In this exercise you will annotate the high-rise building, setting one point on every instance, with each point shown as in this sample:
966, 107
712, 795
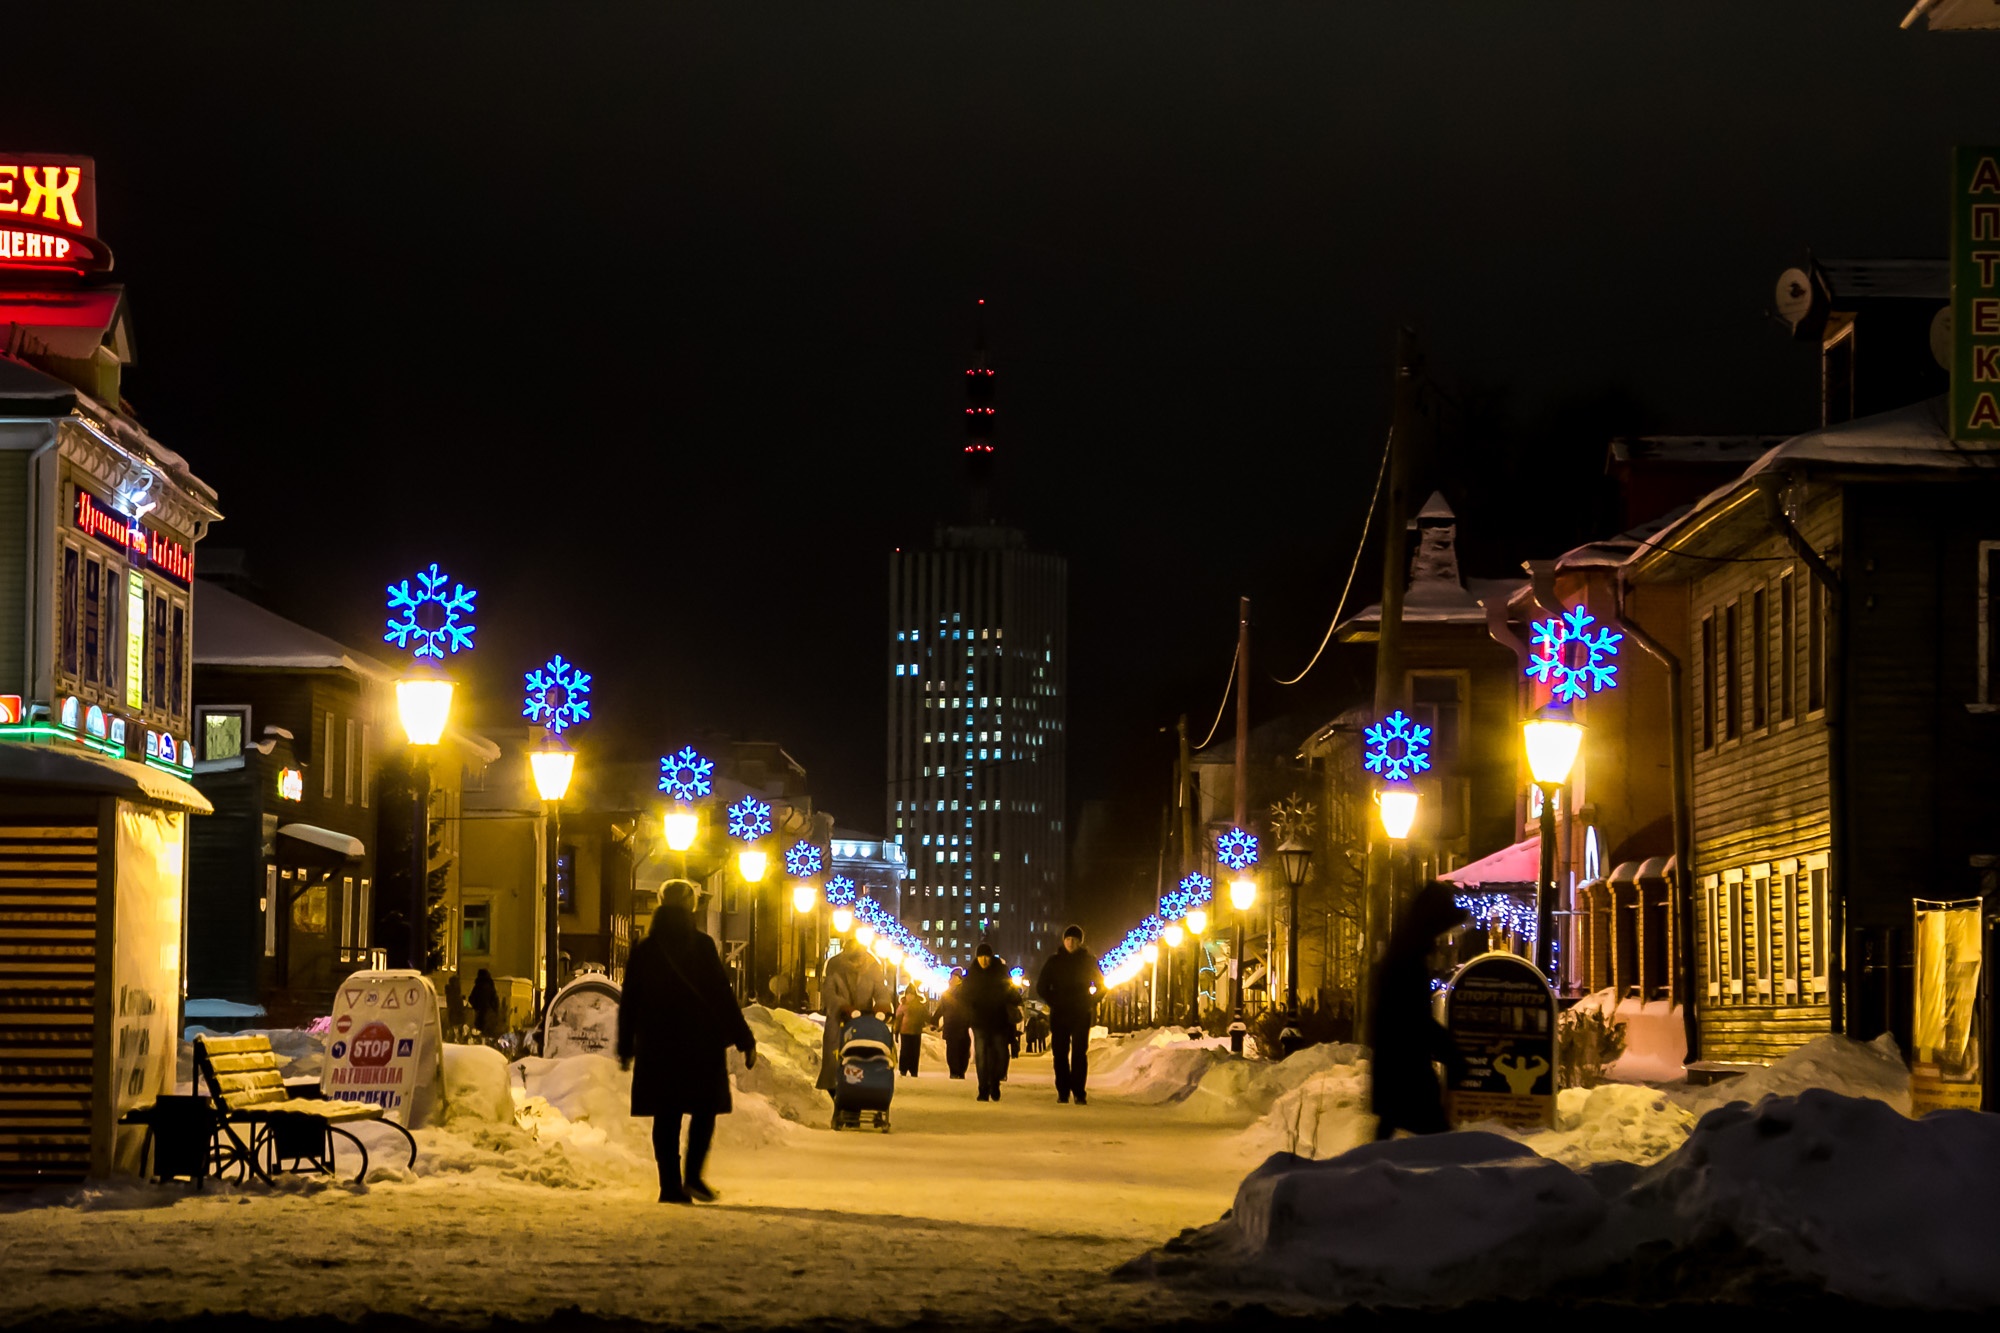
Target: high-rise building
978, 687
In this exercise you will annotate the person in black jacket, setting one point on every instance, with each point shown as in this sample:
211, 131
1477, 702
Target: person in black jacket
991, 1004
676, 1019
956, 1024
1070, 984
1407, 1040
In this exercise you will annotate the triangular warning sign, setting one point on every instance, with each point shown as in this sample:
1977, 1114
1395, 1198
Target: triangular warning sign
352, 995
389, 1000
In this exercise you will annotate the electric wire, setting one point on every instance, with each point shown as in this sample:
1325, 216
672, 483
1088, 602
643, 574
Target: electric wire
1225, 704
1360, 547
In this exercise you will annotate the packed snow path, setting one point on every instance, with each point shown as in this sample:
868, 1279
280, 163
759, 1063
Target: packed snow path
1018, 1209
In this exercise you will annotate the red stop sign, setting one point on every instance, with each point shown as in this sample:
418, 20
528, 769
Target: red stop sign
372, 1046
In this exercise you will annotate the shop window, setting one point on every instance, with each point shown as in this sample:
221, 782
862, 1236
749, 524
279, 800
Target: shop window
177, 663
93, 604
156, 635
71, 573
223, 731
270, 909
309, 910
476, 931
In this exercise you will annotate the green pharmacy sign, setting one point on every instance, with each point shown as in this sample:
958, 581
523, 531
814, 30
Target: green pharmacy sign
1975, 294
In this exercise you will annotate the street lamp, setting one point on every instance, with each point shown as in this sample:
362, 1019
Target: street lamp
864, 935
805, 896
751, 863
1296, 857
681, 827
843, 920
1398, 808
552, 765
423, 703
1197, 920
1552, 738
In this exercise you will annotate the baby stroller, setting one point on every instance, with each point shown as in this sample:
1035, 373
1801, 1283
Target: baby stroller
867, 1073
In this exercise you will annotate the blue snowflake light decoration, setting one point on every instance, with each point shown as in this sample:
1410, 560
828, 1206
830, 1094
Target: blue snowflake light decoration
558, 695
840, 892
1197, 889
803, 860
1574, 661
445, 628
687, 776
1397, 748
1237, 849
749, 819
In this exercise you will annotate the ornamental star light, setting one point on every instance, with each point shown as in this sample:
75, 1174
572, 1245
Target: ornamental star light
1576, 661
749, 819
803, 860
438, 631
687, 776
1237, 849
1397, 748
558, 695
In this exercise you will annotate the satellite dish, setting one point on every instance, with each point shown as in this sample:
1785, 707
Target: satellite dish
1795, 296
1941, 336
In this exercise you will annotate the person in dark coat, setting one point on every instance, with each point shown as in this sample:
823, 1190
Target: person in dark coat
955, 1022
676, 1019
913, 1015
1407, 1040
992, 1006
485, 1004
1070, 984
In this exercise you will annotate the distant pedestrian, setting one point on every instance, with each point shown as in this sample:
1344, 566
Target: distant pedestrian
992, 1004
913, 1015
854, 984
485, 1004
1406, 1040
676, 1018
955, 1022
1070, 984
1038, 1033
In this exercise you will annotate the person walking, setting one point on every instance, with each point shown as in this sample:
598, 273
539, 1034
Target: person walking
1070, 984
954, 1021
854, 984
991, 1005
1406, 1041
485, 1004
913, 1015
676, 1018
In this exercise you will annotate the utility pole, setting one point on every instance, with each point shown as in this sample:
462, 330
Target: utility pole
1379, 907
1241, 815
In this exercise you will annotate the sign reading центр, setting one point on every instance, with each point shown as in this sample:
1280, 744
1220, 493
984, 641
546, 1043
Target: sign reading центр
48, 213
1975, 294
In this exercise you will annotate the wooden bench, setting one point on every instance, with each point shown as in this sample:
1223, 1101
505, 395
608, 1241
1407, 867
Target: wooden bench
289, 1128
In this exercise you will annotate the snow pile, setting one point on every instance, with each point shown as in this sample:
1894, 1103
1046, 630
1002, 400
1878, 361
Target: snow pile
1655, 1037
1616, 1122
301, 1052
1859, 1069
1322, 1115
1833, 1192
477, 1085
787, 1070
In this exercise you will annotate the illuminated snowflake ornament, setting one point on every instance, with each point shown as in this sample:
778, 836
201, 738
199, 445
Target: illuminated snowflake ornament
1198, 888
439, 620
1574, 661
1237, 849
1397, 748
687, 776
803, 860
840, 892
558, 695
749, 819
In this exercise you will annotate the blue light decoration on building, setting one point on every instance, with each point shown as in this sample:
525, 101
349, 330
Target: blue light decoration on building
840, 892
558, 695
803, 860
443, 629
687, 776
1237, 849
749, 819
1574, 661
1397, 749
1502, 912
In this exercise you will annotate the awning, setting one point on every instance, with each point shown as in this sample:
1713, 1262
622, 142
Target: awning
1519, 864
62, 767
352, 848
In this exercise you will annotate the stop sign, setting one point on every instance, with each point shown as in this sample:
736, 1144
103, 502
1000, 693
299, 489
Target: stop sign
372, 1046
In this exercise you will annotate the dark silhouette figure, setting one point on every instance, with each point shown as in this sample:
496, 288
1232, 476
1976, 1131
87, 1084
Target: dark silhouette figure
1070, 984
485, 1004
993, 1007
955, 1022
676, 1018
1406, 1040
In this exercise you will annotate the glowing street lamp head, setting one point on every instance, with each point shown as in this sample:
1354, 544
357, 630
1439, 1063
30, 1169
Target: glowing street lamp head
552, 767
1197, 921
681, 826
752, 862
1242, 893
1399, 811
880, 946
804, 896
864, 935
843, 920
1173, 935
1552, 740
423, 703
1151, 953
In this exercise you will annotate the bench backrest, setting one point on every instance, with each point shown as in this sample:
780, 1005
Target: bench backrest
241, 1072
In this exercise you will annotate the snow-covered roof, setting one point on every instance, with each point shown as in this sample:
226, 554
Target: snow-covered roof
1690, 449
1436, 594
232, 631
1610, 552
1943, 15
1519, 864
69, 768
332, 841
29, 392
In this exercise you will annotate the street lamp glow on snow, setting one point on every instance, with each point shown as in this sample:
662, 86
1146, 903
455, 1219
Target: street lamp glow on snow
681, 826
803, 898
1552, 742
1399, 811
1197, 921
843, 920
751, 862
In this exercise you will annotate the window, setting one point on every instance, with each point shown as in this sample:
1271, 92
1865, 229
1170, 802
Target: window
364, 930
353, 744
476, 930
309, 910
1787, 882
156, 636
566, 878
1788, 643
1816, 647
1436, 701
271, 908
176, 662
1732, 686
367, 752
222, 731
68, 609
1760, 662
93, 599
1733, 916
1708, 690
347, 912
1758, 936
1988, 618
1816, 921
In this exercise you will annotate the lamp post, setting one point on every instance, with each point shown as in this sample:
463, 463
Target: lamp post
552, 765
1151, 953
1171, 937
1237, 850
1552, 738
750, 820
805, 897
1296, 857
423, 703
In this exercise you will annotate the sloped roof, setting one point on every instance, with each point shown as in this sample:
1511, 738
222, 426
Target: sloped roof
233, 631
1519, 864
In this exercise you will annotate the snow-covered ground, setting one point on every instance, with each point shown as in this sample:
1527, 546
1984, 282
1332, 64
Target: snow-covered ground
537, 1195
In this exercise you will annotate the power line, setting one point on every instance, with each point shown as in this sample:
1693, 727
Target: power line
1224, 706
1359, 547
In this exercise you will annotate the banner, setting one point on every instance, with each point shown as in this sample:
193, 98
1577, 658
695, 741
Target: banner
1975, 294
1944, 1034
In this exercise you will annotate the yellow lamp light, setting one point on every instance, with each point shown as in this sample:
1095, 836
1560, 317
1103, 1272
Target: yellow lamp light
423, 702
864, 935
804, 896
1151, 953
1399, 811
1243, 893
1552, 742
752, 863
880, 947
1197, 921
682, 826
1173, 935
552, 769
843, 920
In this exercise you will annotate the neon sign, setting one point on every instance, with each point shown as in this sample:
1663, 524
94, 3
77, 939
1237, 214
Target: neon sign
48, 214
162, 552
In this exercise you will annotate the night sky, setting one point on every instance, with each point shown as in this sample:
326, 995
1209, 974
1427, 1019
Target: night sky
649, 320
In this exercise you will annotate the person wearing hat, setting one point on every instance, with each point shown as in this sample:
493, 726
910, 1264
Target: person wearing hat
676, 1019
956, 1024
1070, 984
991, 1006
1407, 1041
